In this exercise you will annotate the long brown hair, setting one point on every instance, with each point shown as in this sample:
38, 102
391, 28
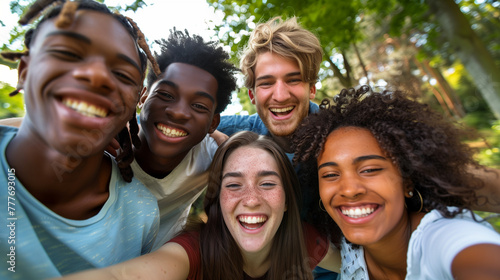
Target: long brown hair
221, 257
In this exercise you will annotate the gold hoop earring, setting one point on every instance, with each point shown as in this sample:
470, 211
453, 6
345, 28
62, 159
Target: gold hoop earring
321, 206
421, 201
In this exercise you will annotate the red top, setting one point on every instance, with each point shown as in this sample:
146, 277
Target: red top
316, 245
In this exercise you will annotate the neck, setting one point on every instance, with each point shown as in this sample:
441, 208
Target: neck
384, 265
151, 163
58, 179
256, 264
284, 142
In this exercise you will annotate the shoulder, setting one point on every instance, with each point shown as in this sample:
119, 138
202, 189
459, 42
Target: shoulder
313, 107
7, 132
316, 244
132, 194
438, 240
234, 123
190, 242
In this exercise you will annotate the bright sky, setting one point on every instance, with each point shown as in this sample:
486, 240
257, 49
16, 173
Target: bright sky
155, 20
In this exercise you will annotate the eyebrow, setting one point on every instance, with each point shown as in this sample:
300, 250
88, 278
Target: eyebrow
356, 160
174, 85
260, 174
86, 40
291, 74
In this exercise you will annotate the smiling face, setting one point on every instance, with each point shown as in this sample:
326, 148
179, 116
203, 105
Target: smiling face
252, 198
82, 83
360, 187
281, 96
179, 110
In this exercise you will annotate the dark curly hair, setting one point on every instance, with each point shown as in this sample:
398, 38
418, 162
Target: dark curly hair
64, 13
427, 148
191, 49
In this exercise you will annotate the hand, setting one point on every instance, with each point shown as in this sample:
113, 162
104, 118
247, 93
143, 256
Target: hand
219, 137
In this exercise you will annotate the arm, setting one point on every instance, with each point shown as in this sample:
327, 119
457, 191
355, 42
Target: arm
477, 262
491, 189
219, 137
16, 122
170, 262
332, 260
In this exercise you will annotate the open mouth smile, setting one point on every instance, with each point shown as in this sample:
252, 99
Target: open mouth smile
252, 222
170, 131
358, 212
281, 111
84, 108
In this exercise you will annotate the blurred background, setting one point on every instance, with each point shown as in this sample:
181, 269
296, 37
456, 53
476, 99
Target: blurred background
446, 51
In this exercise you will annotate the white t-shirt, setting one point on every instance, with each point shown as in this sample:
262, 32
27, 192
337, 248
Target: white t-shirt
178, 190
432, 247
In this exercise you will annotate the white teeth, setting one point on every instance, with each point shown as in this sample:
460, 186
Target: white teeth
252, 220
171, 132
84, 108
281, 110
357, 212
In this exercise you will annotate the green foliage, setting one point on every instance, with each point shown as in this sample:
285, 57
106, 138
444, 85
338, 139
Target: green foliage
246, 102
10, 106
492, 218
490, 155
16, 39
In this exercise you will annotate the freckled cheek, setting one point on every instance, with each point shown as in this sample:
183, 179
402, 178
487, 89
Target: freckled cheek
278, 198
227, 200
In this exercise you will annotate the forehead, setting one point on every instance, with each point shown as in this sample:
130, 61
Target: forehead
271, 63
103, 30
350, 141
189, 76
250, 160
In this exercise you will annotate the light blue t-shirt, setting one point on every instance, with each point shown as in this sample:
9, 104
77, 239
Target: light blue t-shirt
37, 243
432, 248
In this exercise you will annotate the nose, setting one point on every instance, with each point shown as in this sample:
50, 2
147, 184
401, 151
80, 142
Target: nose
251, 197
178, 110
351, 186
281, 92
96, 73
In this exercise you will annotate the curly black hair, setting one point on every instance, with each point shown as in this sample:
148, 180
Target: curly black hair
191, 49
427, 148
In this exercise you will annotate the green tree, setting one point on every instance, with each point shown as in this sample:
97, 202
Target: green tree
10, 106
435, 28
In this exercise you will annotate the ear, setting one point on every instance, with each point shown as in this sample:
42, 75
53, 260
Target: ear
22, 70
215, 123
252, 97
144, 96
408, 187
312, 91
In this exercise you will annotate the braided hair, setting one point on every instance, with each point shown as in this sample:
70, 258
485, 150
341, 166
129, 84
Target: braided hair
65, 13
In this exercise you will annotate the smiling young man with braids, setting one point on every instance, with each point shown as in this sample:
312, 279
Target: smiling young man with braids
70, 209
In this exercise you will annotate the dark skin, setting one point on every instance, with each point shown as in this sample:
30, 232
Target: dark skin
58, 153
177, 113
354, 172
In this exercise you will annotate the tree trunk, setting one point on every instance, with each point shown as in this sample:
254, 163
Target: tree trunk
361, 63
345, 82
472, 52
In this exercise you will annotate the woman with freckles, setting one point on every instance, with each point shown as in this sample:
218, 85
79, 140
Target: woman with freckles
253, 230
392, 176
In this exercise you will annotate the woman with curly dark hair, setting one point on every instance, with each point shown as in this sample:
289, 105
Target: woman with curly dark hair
389, 170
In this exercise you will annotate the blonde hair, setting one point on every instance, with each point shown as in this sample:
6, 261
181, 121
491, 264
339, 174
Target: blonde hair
288, 39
